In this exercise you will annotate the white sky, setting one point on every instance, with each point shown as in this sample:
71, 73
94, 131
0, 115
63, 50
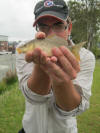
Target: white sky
16, 19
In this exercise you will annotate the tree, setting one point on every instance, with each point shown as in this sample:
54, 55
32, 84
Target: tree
85, 16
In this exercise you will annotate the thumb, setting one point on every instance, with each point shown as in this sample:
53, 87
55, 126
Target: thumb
40, 35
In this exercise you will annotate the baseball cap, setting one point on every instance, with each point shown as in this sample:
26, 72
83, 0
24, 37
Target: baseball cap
54, 8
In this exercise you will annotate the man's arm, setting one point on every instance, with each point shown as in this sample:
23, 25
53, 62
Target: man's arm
39, 81
66, 96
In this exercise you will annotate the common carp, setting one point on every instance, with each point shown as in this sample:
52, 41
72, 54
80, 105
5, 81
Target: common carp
48, 43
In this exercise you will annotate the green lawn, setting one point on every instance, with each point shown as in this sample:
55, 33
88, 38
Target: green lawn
89, 121
12, 109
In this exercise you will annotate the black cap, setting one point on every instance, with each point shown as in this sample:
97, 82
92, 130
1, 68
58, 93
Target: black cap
54, 8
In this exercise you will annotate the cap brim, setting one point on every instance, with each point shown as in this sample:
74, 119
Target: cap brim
56, 15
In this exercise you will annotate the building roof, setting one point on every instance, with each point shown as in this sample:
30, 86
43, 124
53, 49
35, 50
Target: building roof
3, 35
3, 38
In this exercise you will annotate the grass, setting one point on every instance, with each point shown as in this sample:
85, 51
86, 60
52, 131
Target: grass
9, 79
89, 121
12, 109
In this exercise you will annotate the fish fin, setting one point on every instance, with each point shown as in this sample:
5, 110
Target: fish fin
18, 50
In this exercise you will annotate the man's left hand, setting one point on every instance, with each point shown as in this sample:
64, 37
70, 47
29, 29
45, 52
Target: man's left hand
68, 65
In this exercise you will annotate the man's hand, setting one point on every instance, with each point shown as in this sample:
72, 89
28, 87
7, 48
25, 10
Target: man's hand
68, 63
58, 71
39, 81
66, 67
62, 73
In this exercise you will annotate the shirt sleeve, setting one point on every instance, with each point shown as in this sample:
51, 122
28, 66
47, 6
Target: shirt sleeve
82, 83
24, 70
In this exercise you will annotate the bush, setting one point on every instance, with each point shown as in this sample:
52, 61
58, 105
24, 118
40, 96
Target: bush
10, 78
96, 52
3, 86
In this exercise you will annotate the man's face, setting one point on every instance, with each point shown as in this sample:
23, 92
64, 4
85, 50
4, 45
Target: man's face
50, 25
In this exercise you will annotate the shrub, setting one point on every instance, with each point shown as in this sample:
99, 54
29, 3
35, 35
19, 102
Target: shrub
96, 52
3, 86
9, 79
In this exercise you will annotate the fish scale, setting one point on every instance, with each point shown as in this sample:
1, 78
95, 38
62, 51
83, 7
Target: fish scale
48, 43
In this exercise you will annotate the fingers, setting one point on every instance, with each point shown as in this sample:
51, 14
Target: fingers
53, 59
40, 35
29, 57
38, 57
66, 65
70, 57
56, 73
33, 56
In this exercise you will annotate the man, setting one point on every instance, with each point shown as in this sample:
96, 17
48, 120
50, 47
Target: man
56, 88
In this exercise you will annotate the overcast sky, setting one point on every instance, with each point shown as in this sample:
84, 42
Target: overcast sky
16, 19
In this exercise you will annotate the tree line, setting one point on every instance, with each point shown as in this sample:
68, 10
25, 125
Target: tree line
85, 16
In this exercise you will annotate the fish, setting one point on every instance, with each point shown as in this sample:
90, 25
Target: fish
48, 43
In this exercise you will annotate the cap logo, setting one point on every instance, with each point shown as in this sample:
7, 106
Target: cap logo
48, 3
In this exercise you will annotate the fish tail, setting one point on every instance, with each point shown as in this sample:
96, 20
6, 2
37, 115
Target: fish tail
80, 45
76, 48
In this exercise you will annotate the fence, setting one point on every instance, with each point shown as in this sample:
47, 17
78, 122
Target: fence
7, 61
